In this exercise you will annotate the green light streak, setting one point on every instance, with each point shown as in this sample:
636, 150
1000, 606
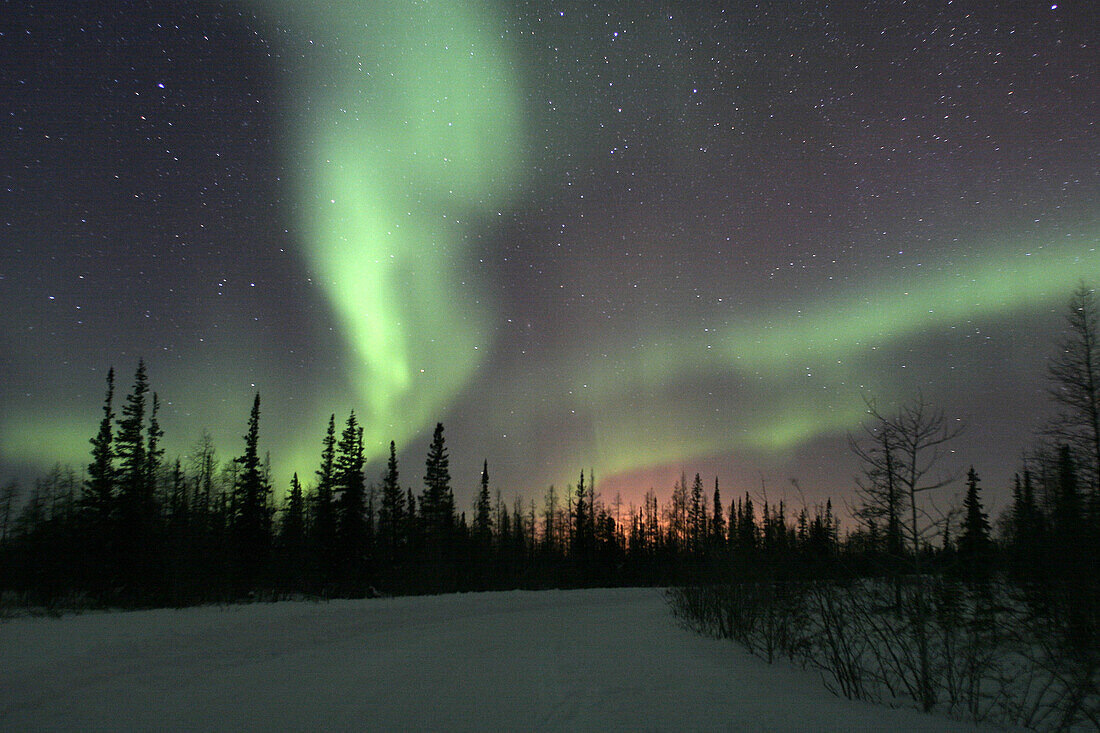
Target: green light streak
412, 134
792, 375
1001, 282
46, 439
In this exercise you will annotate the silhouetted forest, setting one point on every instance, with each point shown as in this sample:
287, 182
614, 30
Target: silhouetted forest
993, 619
136, 530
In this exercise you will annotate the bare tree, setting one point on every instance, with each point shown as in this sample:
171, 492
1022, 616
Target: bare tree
901, 456
8, 493
550, 520
1074, 373
202, 465
877, 489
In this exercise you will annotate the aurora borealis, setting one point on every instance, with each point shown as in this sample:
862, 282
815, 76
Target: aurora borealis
632, 237
413, 131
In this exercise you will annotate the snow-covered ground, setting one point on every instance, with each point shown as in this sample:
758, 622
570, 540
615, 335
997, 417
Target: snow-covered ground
550, 660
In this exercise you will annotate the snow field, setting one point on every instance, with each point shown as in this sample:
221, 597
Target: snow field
602, 659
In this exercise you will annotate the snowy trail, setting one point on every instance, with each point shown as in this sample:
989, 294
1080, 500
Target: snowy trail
551, 660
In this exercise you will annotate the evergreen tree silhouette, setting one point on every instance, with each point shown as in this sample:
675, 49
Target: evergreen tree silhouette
324, 512
1027, 529
97, 498
580, 520
718, 521
153, 450
437, 502
412, 522
1066, 517
747, 529
136, 503
130, 451
293, 529
251, 520
391, 513
696, 516
97, 501
678, 523
1072, 560
483, 522
974, 543
350, 498
733, 530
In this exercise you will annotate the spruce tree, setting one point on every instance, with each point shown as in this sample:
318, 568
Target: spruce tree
135, 500
178, 505
350, 496
483, 523
370, 517
1073, 561
97, 501
678, 528
974, 541
437, 502
1028, 529
696, 518
580, 520
153, 450
779, 527
802, 532
130, 449
391, 517
292, 530
97, 498
733, 531
591, 503
323, 530
1067, 515
718, 521
251, 520
504, 522
412, 521
747, 540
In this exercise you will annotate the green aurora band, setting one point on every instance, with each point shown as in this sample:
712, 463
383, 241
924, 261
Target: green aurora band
412, 137
409, 140
840, 342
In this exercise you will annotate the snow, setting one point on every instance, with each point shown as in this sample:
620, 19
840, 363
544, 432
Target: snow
604, 659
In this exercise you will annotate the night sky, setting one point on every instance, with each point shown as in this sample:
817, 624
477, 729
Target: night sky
633, 237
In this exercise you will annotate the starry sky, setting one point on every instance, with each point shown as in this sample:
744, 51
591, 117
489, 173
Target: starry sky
636, 237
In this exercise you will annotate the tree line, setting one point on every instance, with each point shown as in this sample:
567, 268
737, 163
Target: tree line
135, 528
993, 620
